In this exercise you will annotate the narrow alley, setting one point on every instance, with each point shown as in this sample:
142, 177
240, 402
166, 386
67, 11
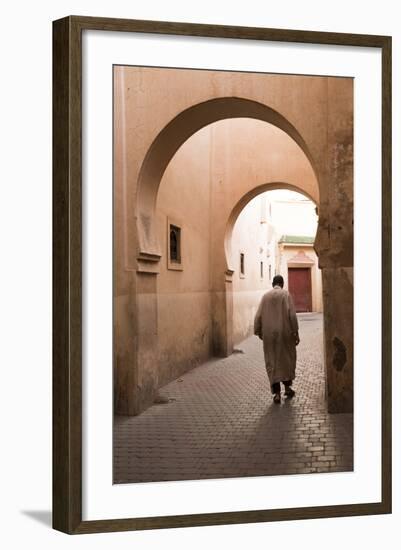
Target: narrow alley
220, 421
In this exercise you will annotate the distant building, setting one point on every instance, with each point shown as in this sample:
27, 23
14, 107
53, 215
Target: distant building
297, 262
259, 250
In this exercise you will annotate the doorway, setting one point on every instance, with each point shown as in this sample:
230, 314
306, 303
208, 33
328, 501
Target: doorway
300, 288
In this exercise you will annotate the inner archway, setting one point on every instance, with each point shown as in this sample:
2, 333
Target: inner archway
273, 234
312, 194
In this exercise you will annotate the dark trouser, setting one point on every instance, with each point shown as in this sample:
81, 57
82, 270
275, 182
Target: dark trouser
276, 386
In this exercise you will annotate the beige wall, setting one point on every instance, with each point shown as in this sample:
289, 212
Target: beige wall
252, 236
184, 303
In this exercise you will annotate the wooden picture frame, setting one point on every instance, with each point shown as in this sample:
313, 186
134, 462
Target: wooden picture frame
67, 273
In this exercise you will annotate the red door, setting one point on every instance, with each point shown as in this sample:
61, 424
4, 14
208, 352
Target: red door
300, 288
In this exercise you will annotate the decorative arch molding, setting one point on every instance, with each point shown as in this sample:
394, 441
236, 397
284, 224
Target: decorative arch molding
170, 139
300, 259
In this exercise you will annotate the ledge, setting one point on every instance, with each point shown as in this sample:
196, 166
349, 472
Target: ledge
229, 275
149, 257
148, 262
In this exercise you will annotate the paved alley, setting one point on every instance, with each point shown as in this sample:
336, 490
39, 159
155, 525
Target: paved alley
220, 421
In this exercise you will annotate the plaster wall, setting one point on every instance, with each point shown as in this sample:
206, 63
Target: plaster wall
251, 235
184, 302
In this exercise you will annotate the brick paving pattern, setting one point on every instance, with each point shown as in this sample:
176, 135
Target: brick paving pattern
220, 421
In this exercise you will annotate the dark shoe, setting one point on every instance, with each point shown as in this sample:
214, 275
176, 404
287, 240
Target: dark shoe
277, 398
289, 393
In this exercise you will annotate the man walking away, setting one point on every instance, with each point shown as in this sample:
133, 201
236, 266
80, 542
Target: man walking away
276, 324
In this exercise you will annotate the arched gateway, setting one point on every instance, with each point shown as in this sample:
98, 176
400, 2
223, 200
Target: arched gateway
136, 298
171, 138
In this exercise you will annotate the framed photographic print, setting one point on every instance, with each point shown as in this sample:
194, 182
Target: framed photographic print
222, 274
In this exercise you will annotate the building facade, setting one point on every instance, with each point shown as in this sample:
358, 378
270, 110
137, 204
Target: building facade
297, 262
253, 255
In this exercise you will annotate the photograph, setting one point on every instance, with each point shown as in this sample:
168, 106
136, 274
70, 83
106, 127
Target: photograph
233, 288
200, 284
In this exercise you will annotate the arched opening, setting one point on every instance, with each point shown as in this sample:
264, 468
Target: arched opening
274, 234
209, 180
172, 137
312, 195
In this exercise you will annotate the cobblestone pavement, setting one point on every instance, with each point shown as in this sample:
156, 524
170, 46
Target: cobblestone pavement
221, 422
